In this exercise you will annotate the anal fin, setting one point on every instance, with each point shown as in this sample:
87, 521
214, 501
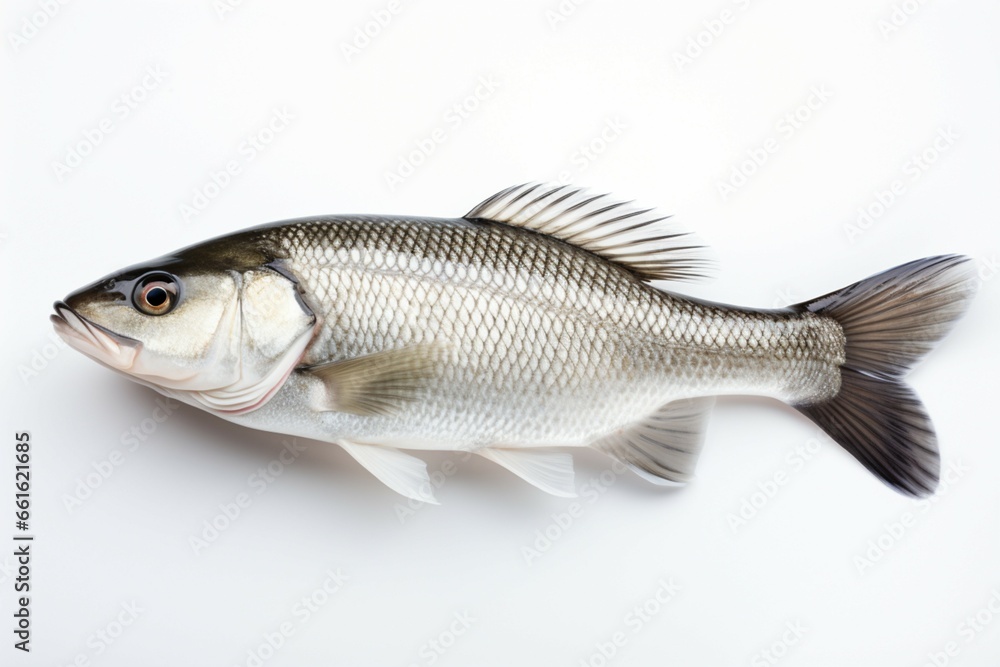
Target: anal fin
551, 472
404, 474
663, 447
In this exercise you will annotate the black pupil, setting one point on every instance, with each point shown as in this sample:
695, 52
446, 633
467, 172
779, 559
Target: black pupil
156, 297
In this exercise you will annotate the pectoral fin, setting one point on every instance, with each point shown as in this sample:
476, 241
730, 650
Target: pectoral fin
404, 474
376, 384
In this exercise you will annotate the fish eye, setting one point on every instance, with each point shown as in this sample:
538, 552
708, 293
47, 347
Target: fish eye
155, 294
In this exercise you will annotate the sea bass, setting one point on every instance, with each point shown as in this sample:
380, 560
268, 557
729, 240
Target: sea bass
528, 324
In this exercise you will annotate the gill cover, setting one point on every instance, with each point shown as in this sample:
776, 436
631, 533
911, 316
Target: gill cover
274, 329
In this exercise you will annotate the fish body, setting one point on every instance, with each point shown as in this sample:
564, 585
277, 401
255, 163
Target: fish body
534, 343
526, 325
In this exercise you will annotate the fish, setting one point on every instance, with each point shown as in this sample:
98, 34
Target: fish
526, 328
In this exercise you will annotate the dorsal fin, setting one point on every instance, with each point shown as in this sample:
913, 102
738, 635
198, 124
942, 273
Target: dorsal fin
615, 230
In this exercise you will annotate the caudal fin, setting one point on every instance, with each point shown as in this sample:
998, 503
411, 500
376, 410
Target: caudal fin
890, 321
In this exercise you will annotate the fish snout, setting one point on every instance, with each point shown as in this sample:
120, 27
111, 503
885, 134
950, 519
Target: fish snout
114, 350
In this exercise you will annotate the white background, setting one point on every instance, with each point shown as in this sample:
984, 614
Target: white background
783, 236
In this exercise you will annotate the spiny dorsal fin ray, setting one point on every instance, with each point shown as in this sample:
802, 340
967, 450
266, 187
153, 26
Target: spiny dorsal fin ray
633, 237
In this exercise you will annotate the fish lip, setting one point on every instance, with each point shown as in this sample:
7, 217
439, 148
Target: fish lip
92, 339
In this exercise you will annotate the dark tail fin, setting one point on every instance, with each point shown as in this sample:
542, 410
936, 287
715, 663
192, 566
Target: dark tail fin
891, 321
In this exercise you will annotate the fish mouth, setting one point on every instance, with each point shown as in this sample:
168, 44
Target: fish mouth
114, 350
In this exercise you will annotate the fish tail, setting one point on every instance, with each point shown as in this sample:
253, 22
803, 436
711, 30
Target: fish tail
890, 321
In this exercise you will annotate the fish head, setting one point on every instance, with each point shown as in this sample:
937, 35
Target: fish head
218, 333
